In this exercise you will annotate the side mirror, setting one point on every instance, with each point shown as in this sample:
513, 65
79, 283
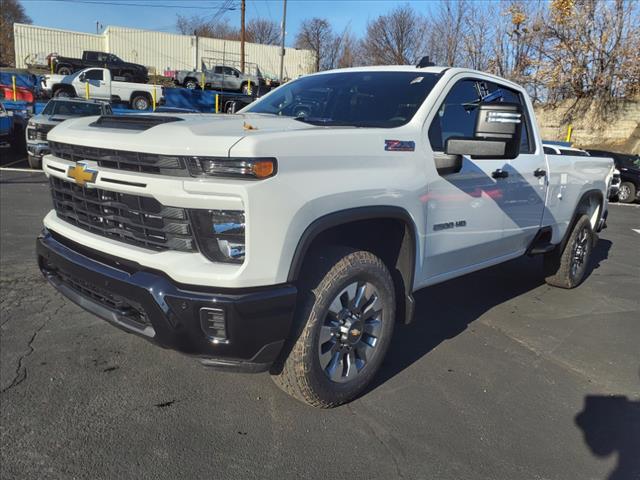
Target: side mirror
497, 133
82, 77
236, 74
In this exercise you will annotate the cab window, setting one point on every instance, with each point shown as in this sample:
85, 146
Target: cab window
93, 75
457, 114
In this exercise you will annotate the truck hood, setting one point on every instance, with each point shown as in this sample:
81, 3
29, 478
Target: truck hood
51, 119
191, 134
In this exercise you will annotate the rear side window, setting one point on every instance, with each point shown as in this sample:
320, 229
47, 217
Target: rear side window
457, 115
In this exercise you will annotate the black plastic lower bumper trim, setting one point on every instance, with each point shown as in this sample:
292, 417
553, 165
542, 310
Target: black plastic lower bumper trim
149, 304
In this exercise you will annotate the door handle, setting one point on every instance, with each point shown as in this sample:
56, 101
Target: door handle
499, 173
539, 172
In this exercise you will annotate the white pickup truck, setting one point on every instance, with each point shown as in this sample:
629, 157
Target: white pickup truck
289, 239
97, 83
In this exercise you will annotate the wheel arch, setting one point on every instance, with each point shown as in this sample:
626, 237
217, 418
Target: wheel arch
398, 250
589, 201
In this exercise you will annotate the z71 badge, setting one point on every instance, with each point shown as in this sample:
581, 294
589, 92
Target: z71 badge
399, 145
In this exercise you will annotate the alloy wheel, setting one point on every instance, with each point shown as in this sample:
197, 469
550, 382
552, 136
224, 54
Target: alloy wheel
351, 332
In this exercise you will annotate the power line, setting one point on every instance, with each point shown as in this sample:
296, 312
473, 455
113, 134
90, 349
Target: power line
145, 5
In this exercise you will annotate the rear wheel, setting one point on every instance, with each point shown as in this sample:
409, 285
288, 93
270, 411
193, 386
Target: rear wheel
344, 326
191, 84
63, 93
64, 70
140, 102
627, 192
567, 268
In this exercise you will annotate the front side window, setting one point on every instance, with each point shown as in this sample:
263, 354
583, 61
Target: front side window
359, 99
93, 75
458, 113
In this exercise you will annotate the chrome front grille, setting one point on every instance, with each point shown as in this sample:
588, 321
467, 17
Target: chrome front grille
133, 219
122, 159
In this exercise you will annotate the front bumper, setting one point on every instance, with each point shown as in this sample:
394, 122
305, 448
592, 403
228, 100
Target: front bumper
151, 305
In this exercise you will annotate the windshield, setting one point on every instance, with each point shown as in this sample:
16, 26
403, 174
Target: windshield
360, 99
74, 109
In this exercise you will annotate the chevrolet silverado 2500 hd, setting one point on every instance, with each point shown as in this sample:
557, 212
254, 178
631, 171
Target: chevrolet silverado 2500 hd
292, 240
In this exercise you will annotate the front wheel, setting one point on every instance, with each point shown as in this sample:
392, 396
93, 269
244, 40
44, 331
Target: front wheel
568, 268
65, 71
343, 328
627, 192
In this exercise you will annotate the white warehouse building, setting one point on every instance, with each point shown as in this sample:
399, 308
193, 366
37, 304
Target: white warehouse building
158, 51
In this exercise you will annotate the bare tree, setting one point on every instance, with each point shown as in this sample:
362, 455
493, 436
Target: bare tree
475, 48
263, 31
447, 30
317, 35
216, 28
395, 38
11, 11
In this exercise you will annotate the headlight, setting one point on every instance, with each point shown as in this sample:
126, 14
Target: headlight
250, 168
220, 234
31, 133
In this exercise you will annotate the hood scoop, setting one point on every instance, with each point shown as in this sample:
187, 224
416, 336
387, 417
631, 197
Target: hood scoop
132, 122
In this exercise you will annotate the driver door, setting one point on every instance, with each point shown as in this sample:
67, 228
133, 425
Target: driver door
464, 208
98, 87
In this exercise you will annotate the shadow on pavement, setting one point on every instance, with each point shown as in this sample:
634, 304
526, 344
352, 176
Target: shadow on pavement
611, 424
445, 310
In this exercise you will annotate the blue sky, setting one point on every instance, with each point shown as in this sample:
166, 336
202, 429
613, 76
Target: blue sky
81, 15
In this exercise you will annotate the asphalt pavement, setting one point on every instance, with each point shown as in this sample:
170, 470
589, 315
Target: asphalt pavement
500, 377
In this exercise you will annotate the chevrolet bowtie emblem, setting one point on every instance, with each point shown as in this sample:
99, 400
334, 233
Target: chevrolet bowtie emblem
355, 332
81, 174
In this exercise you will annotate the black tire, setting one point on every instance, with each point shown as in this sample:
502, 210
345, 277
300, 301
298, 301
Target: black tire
627, 192
191, 84
346, 351
140, 101
64, 70
63, 93
567, 268
34, 162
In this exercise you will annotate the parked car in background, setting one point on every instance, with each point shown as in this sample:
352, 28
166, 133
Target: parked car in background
102, 87
120, 70
6, 126
219, 78
56, 111
629, 167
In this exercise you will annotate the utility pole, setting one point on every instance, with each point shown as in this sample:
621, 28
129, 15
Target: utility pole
282, 34
97, 27
242, 35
